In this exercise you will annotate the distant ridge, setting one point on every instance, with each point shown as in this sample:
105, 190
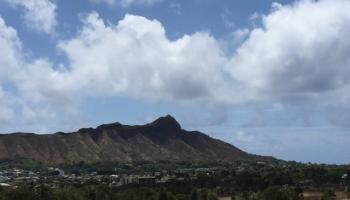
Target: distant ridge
163, 139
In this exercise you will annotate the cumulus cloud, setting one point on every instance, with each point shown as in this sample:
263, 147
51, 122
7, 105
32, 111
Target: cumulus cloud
10, 50
39, 15
6, 113
25, 98
243, 136
279, 61
126, 3
300, 52
225, 17
135, 58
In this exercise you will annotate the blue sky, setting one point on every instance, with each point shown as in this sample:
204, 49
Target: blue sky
270, 77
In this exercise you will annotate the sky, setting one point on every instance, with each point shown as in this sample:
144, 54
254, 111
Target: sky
270, 77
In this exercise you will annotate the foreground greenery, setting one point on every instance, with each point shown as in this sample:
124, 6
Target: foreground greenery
239, 180
137, 193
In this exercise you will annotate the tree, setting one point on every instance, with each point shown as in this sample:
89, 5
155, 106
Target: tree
69, 194
298, 193
274, 193
182, 197
162, 195
98, 192
20, 193
150, 194
233, 195
328, 195
203, 194
44, 192
347, 191
171, 196
1, 192
194, 194
245, 195
212, 196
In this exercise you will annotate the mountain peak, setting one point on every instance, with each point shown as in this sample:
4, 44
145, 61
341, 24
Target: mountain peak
163, 139
110, 126
167, 123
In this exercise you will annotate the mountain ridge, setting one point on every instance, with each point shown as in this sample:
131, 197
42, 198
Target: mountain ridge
162, 139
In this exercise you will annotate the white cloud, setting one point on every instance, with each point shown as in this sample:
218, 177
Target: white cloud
9, 62
134, 58
301, 52
176, 7
254, 16
26, 100
126, 3
239, 36
10, 50
7, 114
225, 17
39, 15
244, 137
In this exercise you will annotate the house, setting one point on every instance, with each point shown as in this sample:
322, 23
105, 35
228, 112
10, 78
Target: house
5, 185
147, 180
135, 179
345, 176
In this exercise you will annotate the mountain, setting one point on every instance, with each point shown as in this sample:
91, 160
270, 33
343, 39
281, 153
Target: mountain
163, 139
